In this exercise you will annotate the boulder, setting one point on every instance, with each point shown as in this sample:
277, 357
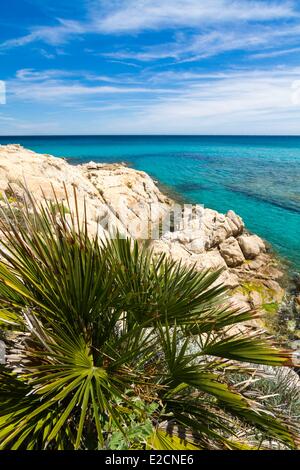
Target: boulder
210, 260
229, 279
236, 222
231, 252
251, 245
218, 227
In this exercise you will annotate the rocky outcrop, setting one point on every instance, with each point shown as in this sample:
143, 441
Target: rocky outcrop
124, 199
222, 242
119, 197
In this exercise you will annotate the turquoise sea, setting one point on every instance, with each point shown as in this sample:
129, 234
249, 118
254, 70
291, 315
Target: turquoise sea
258, 177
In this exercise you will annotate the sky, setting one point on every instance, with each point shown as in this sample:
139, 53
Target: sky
150, 67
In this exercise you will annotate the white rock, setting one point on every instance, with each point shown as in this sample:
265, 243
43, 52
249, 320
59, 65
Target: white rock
238, 222
210, 260
251, 245
130, 197
229, 279
196, 246
231, 252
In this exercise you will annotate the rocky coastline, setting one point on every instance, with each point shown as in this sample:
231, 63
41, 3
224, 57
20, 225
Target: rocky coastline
125, 197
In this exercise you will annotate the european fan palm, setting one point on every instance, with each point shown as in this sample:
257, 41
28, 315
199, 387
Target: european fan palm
107, 343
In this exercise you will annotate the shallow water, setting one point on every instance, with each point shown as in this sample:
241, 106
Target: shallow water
258, 177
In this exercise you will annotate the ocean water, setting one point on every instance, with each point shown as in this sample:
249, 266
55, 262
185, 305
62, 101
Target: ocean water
258, 177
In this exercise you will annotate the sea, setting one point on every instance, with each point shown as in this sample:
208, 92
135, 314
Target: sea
257, 177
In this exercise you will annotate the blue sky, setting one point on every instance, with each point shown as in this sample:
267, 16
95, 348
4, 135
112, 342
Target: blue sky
150, 67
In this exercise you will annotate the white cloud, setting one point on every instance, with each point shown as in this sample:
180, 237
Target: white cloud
2, 92
61, 86
183, 102
189, 48
36, 75
238, 102
46, 54
53, 35
137, 15
242, 101
276, 53
132, 16
49, 91
6, 118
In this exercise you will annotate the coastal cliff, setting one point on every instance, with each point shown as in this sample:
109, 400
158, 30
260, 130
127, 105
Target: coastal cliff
124, 198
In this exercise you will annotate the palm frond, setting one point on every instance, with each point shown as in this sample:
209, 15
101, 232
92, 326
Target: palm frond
93, 325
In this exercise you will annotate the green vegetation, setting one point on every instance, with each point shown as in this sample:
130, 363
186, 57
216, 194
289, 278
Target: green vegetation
271, 308
271, 320
248, 287
9, 196
109, 346
281, 390
137, 432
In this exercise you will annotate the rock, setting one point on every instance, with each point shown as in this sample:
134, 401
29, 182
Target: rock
231, 252
129, 197
273, 291
237, 223
197, 246
255, 298
184, 237
211, 229
251, 245
127, 200
238, 300
229, 279
210, 260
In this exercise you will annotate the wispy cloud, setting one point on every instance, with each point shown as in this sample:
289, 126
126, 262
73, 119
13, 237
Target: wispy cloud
133, 16
53, 35
231, 102
46, 54
52, 90
234, 102
6, 118
187, 47
237, 102
275, 53
140, 15
40, 75
163, 77
63, 85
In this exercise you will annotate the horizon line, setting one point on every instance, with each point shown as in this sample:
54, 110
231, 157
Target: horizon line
147, 135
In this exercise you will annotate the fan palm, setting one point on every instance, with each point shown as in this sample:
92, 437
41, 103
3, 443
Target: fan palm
106, 340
